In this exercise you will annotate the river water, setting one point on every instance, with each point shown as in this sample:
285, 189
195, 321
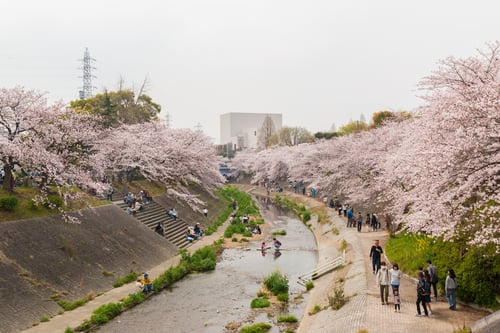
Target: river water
207, 302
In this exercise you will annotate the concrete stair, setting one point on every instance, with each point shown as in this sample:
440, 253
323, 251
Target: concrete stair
175, 230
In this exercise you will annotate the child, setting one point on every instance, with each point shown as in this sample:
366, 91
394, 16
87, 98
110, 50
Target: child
397, 301
277, 244
263, 246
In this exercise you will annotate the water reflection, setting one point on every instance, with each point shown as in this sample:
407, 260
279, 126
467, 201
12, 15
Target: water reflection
207, 302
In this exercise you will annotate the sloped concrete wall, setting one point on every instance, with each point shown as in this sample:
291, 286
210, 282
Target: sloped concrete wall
46, 256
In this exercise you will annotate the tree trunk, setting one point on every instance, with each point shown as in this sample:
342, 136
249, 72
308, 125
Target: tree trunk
8, 180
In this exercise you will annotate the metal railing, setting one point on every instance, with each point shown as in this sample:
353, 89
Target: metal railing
321, 270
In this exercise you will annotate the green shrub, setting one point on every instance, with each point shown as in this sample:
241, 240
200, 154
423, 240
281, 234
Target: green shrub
132, 276
277, 283
305, 216
247, 233
287, 319
337, 300
236, 228
283, 297
68, 306
256, 328
170, 276
410, 251
84, 326
260, 303
44, 319
203, 259
280, 232
309, 285
69, 330
315, 310
105, 313
133, 299
54, 201
8, 203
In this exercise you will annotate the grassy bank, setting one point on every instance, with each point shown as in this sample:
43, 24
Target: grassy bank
203, 259
477, 269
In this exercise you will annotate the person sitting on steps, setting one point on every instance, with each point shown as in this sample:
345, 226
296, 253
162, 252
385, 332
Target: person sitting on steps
197, 230
159, 229
173, 214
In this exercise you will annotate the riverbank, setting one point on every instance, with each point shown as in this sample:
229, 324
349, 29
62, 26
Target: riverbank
363, 310
75, 317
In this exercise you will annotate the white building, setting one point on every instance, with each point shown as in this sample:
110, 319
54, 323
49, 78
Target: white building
242, 129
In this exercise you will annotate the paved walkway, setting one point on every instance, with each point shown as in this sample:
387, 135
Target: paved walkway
364, 309
74, 318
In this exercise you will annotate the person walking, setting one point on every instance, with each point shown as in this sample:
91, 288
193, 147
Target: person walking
427, 288
360, 221
395, 275
397, 301
375, 252
367, 221
434, 277
450, 286
421, 295
383, 282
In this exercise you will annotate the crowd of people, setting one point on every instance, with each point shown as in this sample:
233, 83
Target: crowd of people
194, 233
135, 202
427, 280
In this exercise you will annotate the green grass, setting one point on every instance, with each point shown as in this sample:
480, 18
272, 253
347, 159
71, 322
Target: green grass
25, 208
337, 300
287, 319
277, 283
105, 313
309, 285
280, 232
283, 297
44, 319
300, 210
132, 276
256, 328
260, 303
315, 310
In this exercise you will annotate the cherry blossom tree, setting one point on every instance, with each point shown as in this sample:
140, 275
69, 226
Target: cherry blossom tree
70, 150
47, 140
174, 157
452, 162
437, 171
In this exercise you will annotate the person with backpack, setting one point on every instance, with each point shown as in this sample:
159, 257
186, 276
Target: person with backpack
421, 295
451, 289
434, 277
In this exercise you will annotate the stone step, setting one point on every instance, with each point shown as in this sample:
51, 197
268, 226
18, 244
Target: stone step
175, 230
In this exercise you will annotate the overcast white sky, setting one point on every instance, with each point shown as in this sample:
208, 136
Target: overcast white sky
318, 62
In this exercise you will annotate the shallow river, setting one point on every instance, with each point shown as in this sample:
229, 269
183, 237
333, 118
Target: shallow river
207, 302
